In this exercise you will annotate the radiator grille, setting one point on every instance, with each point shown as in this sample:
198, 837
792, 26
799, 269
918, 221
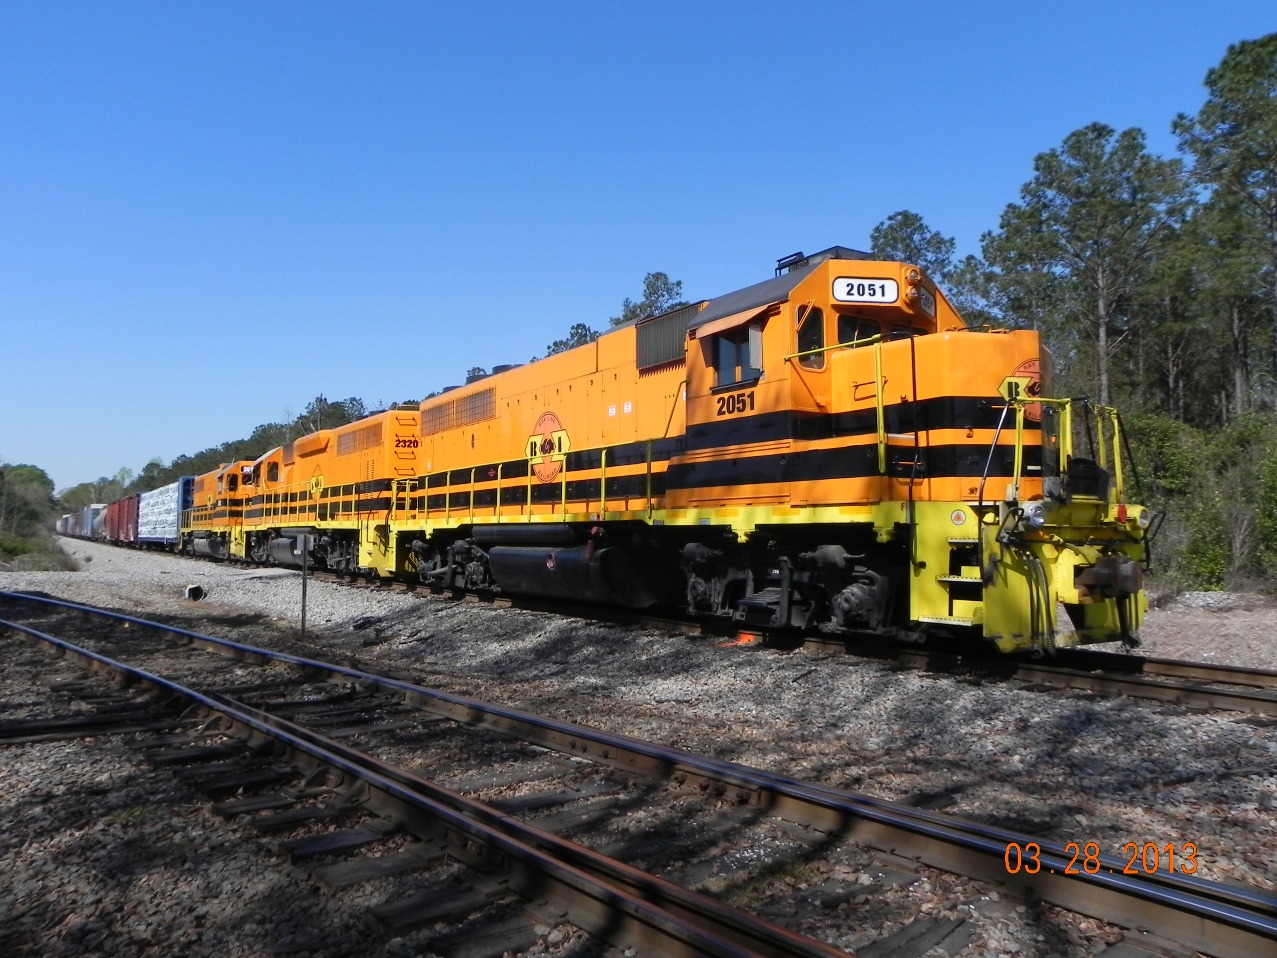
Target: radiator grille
455, 413
357, 440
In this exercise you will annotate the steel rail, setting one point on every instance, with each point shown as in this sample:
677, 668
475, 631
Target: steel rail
760, 936
603, 896
1255, 699
1126, 663
1219, 919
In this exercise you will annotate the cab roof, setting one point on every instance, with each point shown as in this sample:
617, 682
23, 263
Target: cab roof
798, 267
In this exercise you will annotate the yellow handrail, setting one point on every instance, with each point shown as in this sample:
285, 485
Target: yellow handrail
563, 490
853, 344
882, 418
649, 479
602, 482
1018, 464
1119, 478
1099, 425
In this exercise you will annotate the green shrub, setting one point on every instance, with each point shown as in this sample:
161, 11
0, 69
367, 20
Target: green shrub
1218, 489
13, 546
1266, 512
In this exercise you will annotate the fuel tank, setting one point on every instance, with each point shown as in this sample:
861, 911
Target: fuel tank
584, 573
208, 546
282, 550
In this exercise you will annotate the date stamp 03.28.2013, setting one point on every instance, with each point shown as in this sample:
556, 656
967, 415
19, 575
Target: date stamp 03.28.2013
1138, 858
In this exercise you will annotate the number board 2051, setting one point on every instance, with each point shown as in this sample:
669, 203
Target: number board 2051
855, 289
735, 404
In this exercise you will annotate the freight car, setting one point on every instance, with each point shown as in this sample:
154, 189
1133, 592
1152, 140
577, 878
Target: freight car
831, 448
145, 519
119, 526
160, 511
85, 523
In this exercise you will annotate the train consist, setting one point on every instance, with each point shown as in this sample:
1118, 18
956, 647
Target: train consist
831, 449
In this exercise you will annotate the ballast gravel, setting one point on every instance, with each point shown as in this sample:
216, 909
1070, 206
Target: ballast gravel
88, 867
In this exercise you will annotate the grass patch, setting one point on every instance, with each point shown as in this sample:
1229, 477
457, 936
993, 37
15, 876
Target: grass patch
33, 555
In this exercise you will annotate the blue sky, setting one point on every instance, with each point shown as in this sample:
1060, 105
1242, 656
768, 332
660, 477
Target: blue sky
211, 212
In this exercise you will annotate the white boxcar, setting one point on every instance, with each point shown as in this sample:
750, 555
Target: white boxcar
88, 521
159, 512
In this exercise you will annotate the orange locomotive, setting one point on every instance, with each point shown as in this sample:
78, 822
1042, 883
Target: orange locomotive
831, 449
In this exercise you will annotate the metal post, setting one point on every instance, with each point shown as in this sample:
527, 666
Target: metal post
303, 543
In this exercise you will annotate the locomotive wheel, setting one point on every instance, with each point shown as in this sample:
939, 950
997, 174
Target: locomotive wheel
259, 552
429, 565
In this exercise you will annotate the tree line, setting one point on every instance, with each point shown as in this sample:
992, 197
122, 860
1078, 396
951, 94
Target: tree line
660, 295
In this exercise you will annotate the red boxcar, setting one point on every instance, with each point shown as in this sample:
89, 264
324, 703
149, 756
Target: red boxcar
121, 521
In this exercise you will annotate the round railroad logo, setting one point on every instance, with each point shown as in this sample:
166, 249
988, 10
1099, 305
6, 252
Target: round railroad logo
1025, 383
958, 517
548, 447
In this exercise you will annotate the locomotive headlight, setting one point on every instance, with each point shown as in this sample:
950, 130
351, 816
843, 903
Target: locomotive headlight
913, 276
1143, 519
1034, 514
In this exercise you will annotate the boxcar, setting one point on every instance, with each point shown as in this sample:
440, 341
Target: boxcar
120, 521
159, 512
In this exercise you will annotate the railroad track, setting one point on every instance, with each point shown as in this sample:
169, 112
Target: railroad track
1198, 685
1208, 916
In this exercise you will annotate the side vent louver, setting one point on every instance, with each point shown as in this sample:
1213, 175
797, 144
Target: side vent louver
663, 339
455, 413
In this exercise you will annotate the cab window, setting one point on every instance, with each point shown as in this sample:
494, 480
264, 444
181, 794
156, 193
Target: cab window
738, 356
272, 472
811, 336
852, 329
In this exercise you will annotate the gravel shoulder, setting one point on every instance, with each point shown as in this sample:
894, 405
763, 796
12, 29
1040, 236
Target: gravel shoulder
1071, 766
